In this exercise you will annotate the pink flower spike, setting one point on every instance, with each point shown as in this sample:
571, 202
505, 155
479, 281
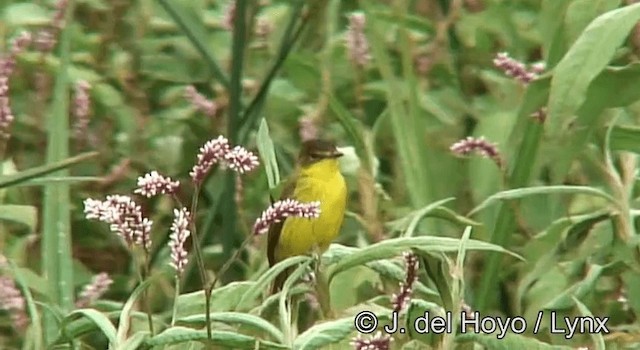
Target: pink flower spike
356, 42
94, 290
377, 342
479, 145
402, 299
200, 102
517, 69
179, 234
283, 209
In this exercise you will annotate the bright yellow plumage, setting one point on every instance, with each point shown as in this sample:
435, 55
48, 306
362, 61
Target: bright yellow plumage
322, 182
317, 178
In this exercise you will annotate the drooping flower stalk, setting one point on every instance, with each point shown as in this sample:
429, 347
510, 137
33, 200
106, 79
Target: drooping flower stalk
480, 146
403, 297
283, 209
200, 102
81, 109
94, 290
356, 42
517, 69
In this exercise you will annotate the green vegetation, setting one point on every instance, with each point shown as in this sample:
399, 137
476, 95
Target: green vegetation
490, 152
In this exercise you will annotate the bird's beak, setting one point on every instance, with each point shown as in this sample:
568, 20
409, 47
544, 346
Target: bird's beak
336, 154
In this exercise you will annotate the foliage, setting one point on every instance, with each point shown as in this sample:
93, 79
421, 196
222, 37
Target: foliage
490, 151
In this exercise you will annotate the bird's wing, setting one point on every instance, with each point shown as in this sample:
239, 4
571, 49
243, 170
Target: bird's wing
275, 229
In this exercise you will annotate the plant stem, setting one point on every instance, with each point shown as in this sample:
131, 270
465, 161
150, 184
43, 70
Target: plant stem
175, 301
229, 262
143, 273
199, 257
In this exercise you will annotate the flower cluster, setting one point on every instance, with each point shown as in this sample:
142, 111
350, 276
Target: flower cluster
125, 217
153, 183
179, 234
377, 342
218, 150
200, 102
356, 42
12, 300
7, 66
229, 15
94, 290
264, 27
402, 298
283, 209
46, 39
478, 145
81, 108
308, 129
517, 69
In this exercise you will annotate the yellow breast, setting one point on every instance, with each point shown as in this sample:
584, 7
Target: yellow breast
319, 182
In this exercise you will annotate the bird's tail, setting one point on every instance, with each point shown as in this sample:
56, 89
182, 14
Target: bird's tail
278, 282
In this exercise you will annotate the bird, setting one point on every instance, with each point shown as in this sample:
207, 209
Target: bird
317, 177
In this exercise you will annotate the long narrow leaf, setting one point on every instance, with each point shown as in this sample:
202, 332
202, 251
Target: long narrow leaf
37, 172
57, 262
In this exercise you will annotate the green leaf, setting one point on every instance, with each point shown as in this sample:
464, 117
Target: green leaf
268, 154
578, 290
224, 339
413, 155
323, 334
225, 298
36, 326
56, 255
526, 135
237, 318
192, 26
538, 190
584, 61
352, 127
625, 138
457, 288
581, 12
17, 178
393, 247
23, 214
124, 322
337, 252
99, 319
409, 223
509, 342
134, 342
26, 14
418, 308
598, 339
284, 303
262, 284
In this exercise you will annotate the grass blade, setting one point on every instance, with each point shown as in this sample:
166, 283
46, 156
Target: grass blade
526, 134
197, 36
539, 190
37, 172
57, 265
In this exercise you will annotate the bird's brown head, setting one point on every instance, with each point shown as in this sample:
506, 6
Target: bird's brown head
313, 151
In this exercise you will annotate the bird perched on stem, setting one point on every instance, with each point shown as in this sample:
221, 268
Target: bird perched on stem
317, 178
